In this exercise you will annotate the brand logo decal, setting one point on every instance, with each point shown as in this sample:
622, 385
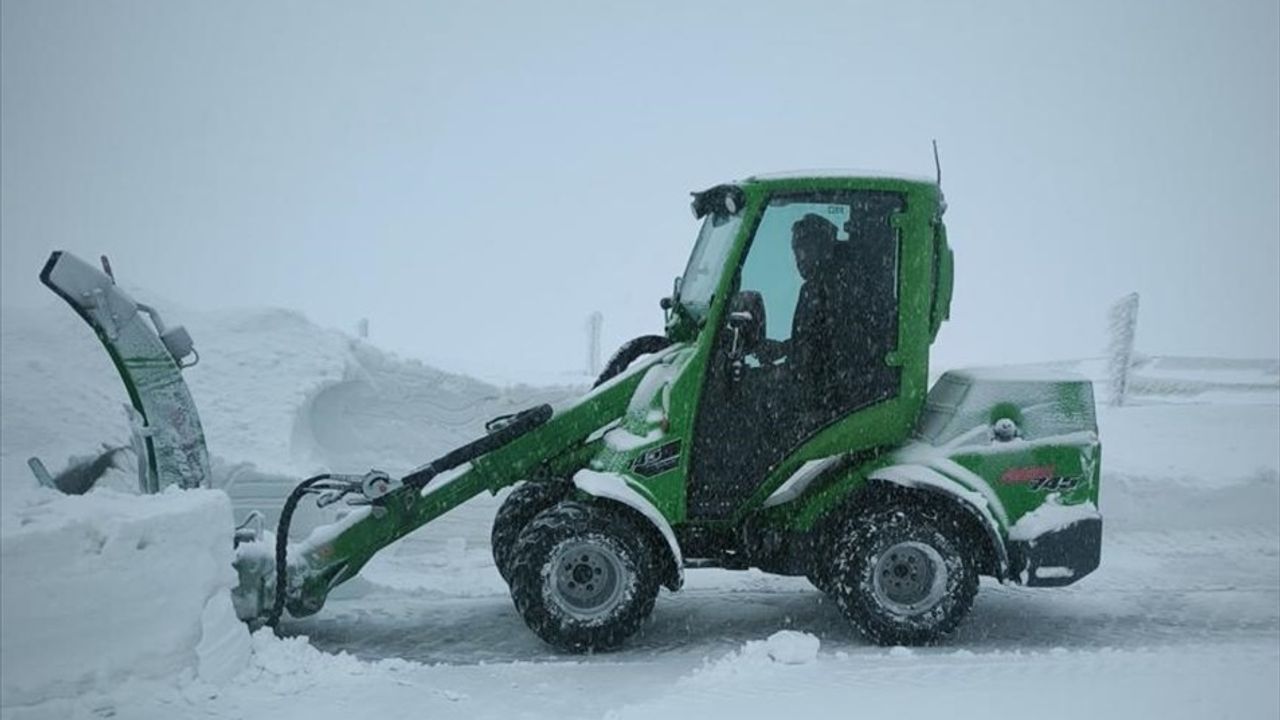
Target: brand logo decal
657, 460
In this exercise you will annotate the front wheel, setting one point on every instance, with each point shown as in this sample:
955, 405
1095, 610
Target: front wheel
582, 577
521, 506
904, 576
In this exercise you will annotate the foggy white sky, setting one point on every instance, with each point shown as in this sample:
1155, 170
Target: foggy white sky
476, 179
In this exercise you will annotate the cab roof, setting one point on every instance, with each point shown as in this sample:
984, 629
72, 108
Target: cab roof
840, 173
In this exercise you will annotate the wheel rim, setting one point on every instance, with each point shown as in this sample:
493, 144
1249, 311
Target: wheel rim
586, 579
909, 578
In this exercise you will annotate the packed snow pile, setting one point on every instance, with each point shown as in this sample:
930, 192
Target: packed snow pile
1196, 379
784, 647
279, 397
62, 397
100, 588
1180, 379
292, 665
273, 389
791, 647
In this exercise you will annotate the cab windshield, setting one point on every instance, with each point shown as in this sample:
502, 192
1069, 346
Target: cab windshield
698, 285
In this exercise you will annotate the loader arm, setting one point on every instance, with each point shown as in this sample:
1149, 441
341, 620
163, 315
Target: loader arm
335, 553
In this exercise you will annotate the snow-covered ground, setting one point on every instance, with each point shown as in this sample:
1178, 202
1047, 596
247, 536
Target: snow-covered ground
1181, 620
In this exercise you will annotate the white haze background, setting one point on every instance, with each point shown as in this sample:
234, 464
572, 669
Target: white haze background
476, 178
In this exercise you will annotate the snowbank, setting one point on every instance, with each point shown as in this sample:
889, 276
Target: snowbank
61, 396
105, 587
279, 397
1190, 467
275, 392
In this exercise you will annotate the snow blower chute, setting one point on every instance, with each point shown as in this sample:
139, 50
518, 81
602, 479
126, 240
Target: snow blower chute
150, 356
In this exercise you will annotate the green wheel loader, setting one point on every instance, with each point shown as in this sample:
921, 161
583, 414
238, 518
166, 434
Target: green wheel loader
782, 421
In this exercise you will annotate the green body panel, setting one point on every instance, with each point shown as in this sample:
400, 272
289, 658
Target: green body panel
1057, 453
1081, 460
944, 280
978, 471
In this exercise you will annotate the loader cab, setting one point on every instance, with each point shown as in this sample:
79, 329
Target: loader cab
805, 296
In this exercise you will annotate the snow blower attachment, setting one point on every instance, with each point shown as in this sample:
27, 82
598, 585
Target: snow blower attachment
782, 421
150, 356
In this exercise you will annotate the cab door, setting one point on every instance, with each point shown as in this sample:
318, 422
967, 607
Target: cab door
804, 342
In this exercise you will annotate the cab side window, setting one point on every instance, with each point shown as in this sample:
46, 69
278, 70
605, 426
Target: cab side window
826, 274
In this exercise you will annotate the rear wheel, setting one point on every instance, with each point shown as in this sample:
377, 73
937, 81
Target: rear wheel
904, 576
582, 577
521, 506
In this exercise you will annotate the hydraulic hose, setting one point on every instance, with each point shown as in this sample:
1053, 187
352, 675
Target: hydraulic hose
282, 547
517, 425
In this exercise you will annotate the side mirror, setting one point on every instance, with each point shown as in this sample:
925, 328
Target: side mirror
667, 303
746, 323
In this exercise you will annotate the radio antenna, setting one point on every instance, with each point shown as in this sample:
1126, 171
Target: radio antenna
937, 164
937, 167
